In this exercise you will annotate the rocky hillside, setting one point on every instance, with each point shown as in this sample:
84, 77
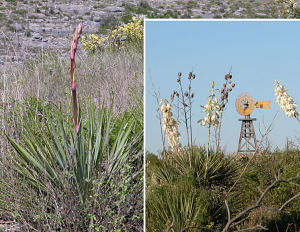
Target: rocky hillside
32, 26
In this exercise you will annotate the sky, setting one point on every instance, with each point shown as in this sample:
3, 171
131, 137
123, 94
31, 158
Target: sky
259, 53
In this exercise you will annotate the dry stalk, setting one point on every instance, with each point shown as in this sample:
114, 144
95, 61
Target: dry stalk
73, 65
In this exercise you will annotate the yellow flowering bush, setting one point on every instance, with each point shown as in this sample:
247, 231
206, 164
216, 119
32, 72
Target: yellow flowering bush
131, 32
286, 8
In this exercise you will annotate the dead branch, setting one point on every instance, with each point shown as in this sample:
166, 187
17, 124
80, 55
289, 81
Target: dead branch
258, 203
228, 210
288, 201
170, 227
283, 205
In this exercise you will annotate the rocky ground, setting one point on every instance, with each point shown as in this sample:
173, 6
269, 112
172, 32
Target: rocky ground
32, 26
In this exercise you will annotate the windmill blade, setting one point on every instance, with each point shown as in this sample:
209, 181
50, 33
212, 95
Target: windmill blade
244, 104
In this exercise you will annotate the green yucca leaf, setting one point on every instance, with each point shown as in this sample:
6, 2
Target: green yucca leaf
50, 147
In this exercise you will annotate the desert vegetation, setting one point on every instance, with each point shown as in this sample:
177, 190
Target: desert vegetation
71, 143
200, 188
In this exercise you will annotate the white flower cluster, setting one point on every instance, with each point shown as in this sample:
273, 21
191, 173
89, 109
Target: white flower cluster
170, 126
212, 110
285, 101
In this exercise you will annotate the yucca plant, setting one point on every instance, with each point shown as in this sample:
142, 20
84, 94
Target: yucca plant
176, 182
54, 155
176, 207
53, 146
206, 171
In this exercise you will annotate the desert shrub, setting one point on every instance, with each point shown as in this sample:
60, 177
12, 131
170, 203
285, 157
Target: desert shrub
130, 34
205, 182
257, 177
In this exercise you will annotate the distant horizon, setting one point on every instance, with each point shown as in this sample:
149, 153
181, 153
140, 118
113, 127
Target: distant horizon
259, 53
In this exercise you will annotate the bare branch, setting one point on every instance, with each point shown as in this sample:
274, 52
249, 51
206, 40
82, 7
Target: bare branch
156, 95
170, 227
228, 210
287, 228
258, 203
288, 201
240, 221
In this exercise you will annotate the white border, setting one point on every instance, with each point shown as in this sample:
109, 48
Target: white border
144, 156
218, 20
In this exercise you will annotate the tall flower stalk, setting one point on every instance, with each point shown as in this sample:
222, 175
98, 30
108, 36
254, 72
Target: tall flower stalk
77, 32
285, 101
184, 105
225, 90
213, 111
170, 126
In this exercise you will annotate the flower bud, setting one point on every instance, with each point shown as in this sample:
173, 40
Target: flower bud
172, 96
179, 74
233, 85
193, 77
190, 75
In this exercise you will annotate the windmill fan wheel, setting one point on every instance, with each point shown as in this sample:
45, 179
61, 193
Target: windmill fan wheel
244, 104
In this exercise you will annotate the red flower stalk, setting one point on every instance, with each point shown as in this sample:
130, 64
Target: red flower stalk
73, 65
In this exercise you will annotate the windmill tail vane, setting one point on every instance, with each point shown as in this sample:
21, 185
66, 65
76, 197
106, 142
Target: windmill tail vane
263, 104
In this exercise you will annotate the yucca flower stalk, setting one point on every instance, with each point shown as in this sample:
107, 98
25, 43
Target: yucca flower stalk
77, 32
212, 110
285, 101
170, 126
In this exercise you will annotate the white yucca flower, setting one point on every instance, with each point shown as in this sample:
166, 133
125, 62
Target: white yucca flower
170, 126
212, 110
285, 101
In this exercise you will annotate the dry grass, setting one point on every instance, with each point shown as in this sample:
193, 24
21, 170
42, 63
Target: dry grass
98, 77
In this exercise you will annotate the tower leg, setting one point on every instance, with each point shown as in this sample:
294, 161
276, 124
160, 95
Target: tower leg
247, 141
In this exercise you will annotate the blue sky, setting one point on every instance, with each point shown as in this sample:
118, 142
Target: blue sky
259, 53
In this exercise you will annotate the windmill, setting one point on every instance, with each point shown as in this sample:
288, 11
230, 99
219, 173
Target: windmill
244, 105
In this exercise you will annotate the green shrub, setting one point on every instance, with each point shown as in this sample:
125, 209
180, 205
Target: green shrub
187, 189
258, 176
